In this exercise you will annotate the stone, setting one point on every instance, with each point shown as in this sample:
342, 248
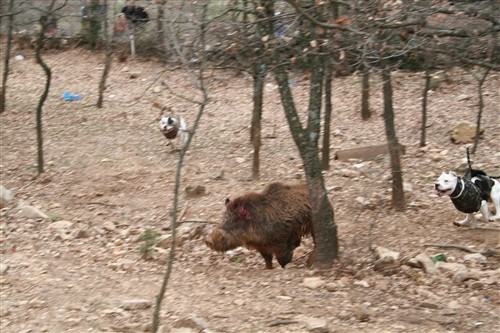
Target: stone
195, 191
6, 197
3, 268
382, 252
82, 233
313, 282
193, 322
331, 287
134, 75
62, 224
108, 226
136, 304
477, 257
464, 132
387, 266
427, 263
164, 241
362, 283
454, 305
362, 313
317, 325
451, 266
31, 212
429, 305
476, 285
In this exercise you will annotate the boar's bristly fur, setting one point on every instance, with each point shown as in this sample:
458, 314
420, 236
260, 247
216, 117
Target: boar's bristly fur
271, 222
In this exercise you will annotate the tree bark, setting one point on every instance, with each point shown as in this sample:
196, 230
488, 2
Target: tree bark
365, 93
306, 139
8, 45
398, 198
325, 149
45, 93
425, 94
259, 74
107, 60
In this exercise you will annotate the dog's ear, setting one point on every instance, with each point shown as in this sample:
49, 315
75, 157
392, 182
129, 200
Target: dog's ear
453, 174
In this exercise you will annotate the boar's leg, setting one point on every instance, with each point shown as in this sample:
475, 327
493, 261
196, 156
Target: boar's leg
268, 257
284, 255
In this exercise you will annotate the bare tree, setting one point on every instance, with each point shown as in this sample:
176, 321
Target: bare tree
480, 82
8, 45
107, 60
365, 93
325, 149
47, 19
398, 198
198, 81
259, 74
425, 94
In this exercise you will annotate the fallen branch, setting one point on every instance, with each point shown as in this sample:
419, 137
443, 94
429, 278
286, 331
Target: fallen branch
282, 322
451, 246
181, 215
484, 252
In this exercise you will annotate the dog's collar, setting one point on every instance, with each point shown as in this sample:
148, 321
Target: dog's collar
460, 187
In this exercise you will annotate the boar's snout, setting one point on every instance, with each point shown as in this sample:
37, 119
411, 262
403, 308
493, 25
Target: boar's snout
209, 241
219, 240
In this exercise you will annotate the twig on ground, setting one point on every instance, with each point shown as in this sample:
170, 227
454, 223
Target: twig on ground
279, 322
485, 252
451, 246
181, 215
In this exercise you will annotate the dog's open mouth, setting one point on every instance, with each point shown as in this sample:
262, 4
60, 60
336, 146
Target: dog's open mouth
441, 192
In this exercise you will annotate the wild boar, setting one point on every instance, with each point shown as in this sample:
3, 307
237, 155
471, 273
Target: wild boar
271, 222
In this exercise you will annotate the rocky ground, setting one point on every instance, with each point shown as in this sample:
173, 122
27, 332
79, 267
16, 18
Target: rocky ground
109, 177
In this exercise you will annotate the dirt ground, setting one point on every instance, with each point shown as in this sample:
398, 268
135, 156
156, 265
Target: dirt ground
110, 176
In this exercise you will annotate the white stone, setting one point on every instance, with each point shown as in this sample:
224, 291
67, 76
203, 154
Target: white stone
362, 283
6, 197
3, 268
136, 304
31, 212
62, 224
478, 257
313, 282
382, 253
108, 226
317, 325
450, 266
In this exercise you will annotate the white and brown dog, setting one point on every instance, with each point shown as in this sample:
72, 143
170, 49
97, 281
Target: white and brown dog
470, 194
174, 129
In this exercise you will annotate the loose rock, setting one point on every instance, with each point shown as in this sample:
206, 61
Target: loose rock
136, 304
317, 325
313, 282
31, 212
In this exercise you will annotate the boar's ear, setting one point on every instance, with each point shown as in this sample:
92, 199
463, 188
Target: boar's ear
227, 202
243, 212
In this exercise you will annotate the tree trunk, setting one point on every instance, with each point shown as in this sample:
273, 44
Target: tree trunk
324, 228
259, 74
107, 60
325, 149
45, 93
94, 24
398, 198
8, 45
480, 83
425, 94
365, 93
